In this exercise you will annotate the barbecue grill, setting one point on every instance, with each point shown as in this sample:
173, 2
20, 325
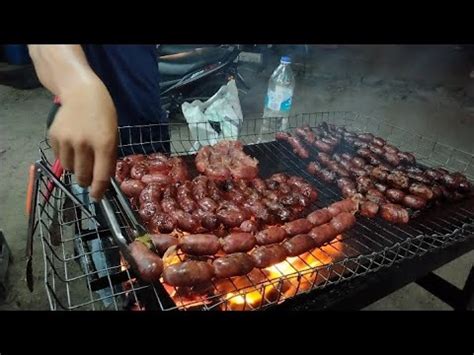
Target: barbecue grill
74, 279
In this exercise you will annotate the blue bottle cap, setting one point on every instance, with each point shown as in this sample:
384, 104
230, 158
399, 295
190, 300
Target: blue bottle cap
285, 60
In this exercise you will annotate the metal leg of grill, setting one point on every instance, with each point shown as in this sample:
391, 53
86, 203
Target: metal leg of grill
5, 258
448, 293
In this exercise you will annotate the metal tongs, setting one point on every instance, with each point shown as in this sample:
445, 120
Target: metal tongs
137, 230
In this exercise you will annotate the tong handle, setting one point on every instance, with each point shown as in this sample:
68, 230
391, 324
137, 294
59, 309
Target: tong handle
112, 221
137, 226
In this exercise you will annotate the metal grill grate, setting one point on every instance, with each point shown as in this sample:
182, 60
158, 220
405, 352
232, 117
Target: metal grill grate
74, 280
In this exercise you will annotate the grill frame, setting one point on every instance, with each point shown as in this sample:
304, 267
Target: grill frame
181, 142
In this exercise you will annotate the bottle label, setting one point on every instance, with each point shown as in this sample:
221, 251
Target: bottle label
279, 99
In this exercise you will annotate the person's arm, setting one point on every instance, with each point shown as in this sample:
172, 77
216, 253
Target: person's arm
84, 132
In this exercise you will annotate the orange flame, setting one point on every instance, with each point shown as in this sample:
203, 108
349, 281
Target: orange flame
276, 283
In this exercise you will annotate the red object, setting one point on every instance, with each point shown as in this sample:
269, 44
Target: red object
29, 190
57, 171
57, 101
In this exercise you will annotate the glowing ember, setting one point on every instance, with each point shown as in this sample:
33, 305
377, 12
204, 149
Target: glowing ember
261, 287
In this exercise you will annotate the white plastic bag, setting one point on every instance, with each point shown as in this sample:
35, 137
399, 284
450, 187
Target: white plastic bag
223, 110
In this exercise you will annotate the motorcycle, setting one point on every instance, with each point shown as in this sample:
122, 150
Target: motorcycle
195, 72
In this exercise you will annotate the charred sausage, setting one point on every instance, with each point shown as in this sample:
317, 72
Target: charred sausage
236, 264
394, 213
271, 235
149, 264
299, 244
369, 209
188, 273
238, 242
200, 244
268, 255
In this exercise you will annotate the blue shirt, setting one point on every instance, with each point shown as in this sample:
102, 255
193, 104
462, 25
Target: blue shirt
130, 73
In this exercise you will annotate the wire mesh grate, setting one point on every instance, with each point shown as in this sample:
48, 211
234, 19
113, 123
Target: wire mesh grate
72, 243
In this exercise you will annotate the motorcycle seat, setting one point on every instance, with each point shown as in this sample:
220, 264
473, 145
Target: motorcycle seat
167, 49
183, 63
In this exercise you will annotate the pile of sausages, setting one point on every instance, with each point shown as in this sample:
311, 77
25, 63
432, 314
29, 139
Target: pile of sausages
209, 257
205, 205
324, 143
225, 160
386, 180
134, 172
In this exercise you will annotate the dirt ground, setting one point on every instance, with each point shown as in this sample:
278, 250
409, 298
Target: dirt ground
427, 89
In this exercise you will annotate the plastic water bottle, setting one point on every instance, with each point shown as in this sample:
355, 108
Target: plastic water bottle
278, 100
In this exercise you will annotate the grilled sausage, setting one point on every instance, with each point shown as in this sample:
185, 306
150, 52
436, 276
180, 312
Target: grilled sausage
378, 141
200, 244
148, 210
151, 193
419, 177
133, 159
381, 187
158, 164
157, 177
347, 205
415, 202
161, 223
421, 190
236, 264
162, 242
319, 217
394, 213
379, 173
343, 222
358, 143
433, 174
324, 158
364, 184
343, 181
298, 226
346, 164
395, 195
406, 158
210, 221
346, 156
322, 234
390, 149
323, 146
268, 255
376, 149
149, 264
437, 192
188, 273
366, 137
398, 180
271, 235
358, 172
139, 170
364, 152
375, 196
249, 226
313, 168
348, 191
231, 218
392, 158
327, 175
122, 171
238, 242
369, 209
299, 244
373, 159
358, 162
185, 221
132, 187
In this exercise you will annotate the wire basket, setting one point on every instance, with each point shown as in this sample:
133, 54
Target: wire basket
74, 245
